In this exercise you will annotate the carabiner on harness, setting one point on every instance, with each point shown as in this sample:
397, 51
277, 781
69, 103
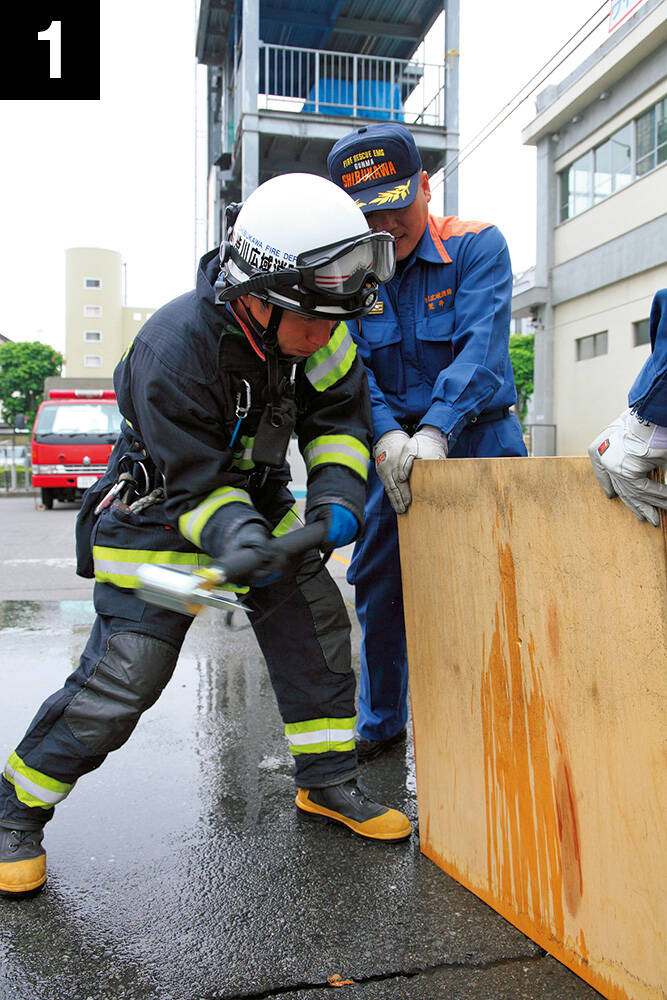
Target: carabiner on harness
242, 411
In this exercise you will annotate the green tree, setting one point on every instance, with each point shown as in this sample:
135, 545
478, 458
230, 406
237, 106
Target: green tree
23, 368
522, 356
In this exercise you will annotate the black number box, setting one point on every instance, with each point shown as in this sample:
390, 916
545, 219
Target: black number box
50, 50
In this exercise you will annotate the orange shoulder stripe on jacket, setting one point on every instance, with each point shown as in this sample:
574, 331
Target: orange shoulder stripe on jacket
444, 228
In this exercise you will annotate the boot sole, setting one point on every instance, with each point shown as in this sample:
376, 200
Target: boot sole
21, 891
323, 815
22, 878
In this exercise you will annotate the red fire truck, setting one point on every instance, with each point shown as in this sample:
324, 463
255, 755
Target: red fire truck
74, 432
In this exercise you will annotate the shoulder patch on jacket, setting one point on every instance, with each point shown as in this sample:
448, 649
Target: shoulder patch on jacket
442, 229
451, 225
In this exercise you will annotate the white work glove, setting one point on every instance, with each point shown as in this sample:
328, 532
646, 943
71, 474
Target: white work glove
622, 455
386, 455
428, 443
394, 455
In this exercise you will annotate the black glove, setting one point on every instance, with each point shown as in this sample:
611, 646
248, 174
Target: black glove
251, 557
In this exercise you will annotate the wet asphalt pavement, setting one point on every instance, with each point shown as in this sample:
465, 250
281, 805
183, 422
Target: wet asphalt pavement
180, 869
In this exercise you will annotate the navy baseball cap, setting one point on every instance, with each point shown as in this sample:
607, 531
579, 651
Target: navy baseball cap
378, 165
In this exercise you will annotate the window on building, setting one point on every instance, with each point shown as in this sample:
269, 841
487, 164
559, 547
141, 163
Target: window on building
628, 154
645, 142
652, 138
137, 317
92, 336
641, 332
92, 361
92, 283
613, 164
576, 187
592, 346
92, 310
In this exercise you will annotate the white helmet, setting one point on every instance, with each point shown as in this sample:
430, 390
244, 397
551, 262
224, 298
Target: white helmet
301, 243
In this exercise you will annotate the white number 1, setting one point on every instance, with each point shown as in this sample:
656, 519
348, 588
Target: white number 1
52, 36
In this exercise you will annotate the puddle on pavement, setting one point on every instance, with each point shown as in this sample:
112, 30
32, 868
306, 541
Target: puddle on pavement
37, 616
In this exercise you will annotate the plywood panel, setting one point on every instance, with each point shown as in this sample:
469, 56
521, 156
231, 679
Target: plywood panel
536, 616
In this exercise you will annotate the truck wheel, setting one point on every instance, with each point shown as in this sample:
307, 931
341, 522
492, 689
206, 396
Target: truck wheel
47, 498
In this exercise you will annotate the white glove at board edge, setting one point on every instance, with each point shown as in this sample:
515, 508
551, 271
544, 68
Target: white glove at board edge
428, 444
622, 455
386, 454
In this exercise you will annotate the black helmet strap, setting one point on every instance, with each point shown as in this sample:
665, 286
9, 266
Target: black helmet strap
278, 420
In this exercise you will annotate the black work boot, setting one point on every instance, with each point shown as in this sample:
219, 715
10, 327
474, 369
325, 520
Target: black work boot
347, 804
368, 749
22, 861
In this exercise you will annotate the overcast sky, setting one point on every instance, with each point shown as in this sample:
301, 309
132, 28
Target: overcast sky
119, 173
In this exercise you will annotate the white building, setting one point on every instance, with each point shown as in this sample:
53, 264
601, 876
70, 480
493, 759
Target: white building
601, 138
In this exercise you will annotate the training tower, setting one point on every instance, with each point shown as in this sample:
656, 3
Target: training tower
287, 78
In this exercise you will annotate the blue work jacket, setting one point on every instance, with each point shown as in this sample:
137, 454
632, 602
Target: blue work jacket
435, 345
649, 392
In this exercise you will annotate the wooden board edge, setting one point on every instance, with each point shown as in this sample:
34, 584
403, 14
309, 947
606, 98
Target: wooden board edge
566, 956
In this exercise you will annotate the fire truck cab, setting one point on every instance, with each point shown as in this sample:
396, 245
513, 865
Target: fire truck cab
73, 435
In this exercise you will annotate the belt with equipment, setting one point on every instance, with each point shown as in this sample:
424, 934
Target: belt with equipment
139, 485
487, 417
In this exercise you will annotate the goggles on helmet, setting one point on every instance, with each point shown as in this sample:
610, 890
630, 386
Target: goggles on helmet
345, 268
337, 280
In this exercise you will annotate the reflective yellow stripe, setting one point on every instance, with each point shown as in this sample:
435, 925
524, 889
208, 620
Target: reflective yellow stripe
32, 787
194, 521
120, 566
290, 522
328, 365
340, 449
321, 735
243, 458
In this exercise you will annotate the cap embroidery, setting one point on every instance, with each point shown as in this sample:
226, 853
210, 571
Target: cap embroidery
393, 194
371, 173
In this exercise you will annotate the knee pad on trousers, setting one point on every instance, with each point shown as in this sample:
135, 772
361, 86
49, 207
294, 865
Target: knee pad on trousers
127, 680
332, 624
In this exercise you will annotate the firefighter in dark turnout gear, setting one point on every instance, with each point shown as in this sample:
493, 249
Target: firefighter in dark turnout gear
210, 391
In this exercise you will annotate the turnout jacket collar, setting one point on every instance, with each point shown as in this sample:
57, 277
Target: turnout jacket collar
207, 273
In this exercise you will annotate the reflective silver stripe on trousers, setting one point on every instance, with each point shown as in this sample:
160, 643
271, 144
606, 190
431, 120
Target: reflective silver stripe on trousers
321, 736
44, 794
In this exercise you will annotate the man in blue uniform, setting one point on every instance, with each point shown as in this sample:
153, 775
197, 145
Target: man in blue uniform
636, 442
210, 392
435, 347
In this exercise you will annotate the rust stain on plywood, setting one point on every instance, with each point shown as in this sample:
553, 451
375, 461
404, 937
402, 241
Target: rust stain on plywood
566, 808
553, 631
533, 854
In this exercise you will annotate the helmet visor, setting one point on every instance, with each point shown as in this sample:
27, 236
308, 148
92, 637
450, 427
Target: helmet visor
345, 268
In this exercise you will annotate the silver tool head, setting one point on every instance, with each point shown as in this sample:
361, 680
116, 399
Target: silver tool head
182, 592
